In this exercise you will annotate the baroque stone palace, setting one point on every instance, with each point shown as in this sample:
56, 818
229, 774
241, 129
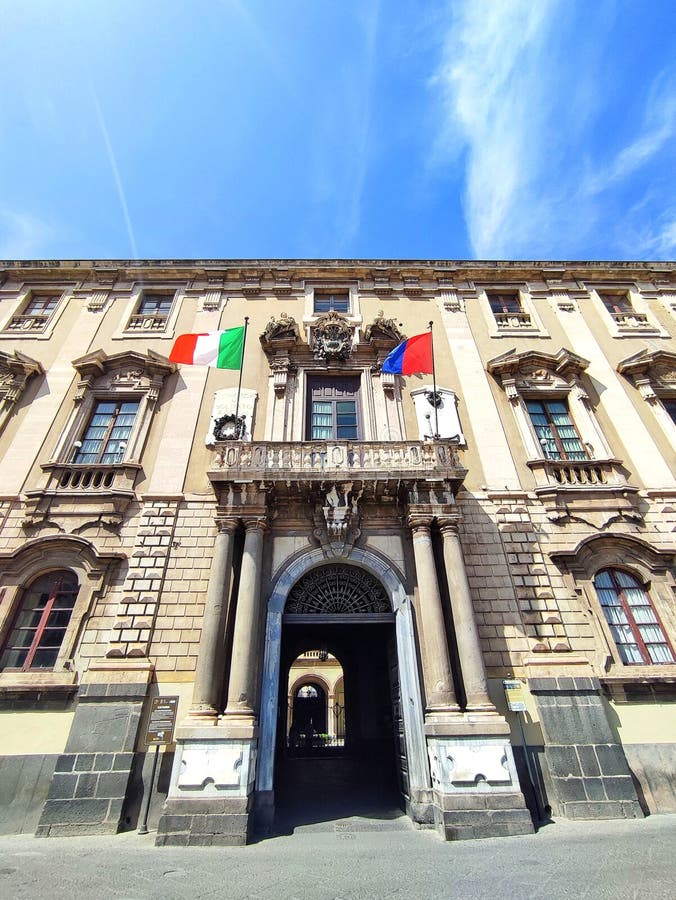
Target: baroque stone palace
335, 569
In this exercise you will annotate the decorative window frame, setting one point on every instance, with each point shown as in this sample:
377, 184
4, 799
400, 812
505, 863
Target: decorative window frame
86, 493
16, 370
128, 375
18, 570
310, 317
643, 323
532, 327
593, 490
126, 333
25, 295
653, 373
532, 375
652, 568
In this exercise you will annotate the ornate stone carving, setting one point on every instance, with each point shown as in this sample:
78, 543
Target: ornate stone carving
337, 519
283, 330
332, 337
383, 333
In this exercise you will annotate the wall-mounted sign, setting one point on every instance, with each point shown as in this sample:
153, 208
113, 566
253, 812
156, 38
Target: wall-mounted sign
162, 720
516, 700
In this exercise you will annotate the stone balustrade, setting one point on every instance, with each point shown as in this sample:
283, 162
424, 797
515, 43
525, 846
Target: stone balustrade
578, 473
354, 459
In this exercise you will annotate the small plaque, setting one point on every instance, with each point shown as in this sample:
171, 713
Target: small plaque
516, 700
162, 720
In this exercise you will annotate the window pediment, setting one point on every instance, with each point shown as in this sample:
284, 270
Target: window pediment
533, 368
658, 367
122, 371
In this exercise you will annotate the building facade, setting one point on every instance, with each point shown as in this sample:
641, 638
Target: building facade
330, 565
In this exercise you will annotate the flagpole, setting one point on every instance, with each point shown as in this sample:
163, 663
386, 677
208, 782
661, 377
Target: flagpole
241, 369
434, 387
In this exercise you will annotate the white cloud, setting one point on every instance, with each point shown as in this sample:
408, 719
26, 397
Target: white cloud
520, 112
494, 109
23, 236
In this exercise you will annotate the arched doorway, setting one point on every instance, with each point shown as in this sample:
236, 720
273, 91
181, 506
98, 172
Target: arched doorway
388, 645
347, 611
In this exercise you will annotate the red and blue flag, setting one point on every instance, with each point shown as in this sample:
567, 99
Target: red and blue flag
411, 357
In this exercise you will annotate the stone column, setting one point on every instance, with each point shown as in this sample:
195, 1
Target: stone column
467, 635
439, 690
243, 665
209, 672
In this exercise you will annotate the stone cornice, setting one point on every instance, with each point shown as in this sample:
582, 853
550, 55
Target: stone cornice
272, 272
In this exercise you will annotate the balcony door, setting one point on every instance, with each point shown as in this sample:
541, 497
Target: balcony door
333, 409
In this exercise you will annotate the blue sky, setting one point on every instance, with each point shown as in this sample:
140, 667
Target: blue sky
224, 128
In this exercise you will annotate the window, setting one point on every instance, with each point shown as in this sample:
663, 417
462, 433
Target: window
555, 430
617, 304
324, 303
508, 310
107, 434
633, 622
505, 303
40, 627
670, 406
35, 313
333, 410
152, 312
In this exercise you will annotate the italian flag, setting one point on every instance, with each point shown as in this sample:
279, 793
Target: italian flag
220, 349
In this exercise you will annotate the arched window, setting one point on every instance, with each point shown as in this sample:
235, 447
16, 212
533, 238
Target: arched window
633, 622
41, 622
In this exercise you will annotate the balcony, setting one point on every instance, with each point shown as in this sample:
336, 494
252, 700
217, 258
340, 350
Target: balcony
147, 322
593, 490
283, 463
36, 323
513, 320
99, 493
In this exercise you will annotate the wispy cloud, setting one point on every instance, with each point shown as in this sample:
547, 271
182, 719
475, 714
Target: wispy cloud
540, 174
24, 236
343, 148
115, 170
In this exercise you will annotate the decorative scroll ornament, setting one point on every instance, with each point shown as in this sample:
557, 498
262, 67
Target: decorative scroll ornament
383, 332
332, 337
280, 331
337, 590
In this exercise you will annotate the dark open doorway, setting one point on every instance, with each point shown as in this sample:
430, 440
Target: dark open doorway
364, 773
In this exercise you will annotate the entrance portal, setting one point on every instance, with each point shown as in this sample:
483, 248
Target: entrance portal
346, 612
319, 777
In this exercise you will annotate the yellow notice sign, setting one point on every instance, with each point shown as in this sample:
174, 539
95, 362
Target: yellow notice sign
514, 692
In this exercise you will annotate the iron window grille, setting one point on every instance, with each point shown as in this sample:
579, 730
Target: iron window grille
633, 622
555, 430
41, 623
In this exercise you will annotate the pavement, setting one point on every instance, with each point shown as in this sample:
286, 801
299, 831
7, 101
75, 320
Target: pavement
350, 858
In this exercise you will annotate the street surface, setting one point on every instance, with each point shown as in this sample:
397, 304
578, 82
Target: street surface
350, 859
